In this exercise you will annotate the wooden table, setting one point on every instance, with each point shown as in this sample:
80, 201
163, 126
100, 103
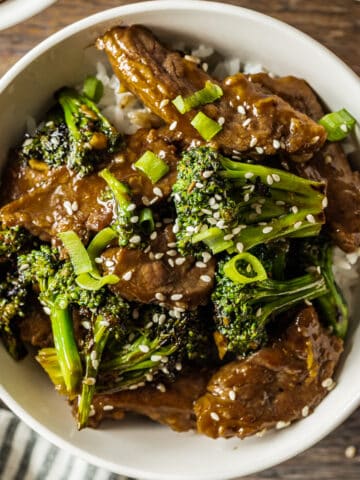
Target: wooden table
336, 24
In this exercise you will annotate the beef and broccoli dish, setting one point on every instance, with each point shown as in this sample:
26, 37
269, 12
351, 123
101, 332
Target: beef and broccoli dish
182, 270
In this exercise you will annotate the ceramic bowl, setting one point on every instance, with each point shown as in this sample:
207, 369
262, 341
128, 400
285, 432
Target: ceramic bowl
139, 448
16, 11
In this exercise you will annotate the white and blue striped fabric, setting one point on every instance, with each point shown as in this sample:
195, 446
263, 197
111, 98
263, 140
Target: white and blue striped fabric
26, 456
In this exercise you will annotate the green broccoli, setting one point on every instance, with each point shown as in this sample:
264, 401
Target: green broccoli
75, 133
234, 206
243, 308
12, 241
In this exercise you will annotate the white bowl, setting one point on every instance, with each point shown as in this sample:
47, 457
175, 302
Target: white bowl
140, 448
16, 11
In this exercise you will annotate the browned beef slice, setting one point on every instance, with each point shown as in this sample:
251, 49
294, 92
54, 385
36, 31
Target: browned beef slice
64, 201
173, 407
279, 383
35, 327
157, 75
330, 164
151, 275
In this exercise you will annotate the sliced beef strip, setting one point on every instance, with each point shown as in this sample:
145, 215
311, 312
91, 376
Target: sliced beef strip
330, 164
252, 119
276, 385
63, 201
156, 280
35, 327
172, 407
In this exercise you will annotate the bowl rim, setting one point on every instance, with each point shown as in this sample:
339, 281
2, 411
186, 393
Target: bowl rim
23, 11
22, 64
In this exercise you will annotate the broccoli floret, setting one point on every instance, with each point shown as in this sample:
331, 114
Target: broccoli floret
234, 206
243, 310
12, 307
317, 254
12, 241
155, 347
75, 134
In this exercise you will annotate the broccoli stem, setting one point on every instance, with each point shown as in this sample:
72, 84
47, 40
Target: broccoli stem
92, 361
48, 359
66, 348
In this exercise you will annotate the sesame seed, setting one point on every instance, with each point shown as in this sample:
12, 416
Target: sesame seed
161, 387
178, 366
279, 202
104, 323
327, 383
171, 262
281, 424
173, 125
158, 255
298, 224
205, 66
108, 408
98, 260
192, 58
248, 175
276, 177
269, 180
180, 260
206, 211
149, 377
153, 235
294, 209
144, 348
350, 451
200, 265
205, 278
214, 416
253, 142
207, 173
232, 395
258, 312
305, 411
310, 218
218, 197
134, 219
47, 310
68, 208
236, 230
175, 228
324, 202
216, 215
127, 276
229, 236
240, 247
206, 256
159, 296
135, 314
267, 229
241, 110
246, 197
259, 150
162, 318
145, 201
158, 224
86, 324
109, 263
276, 144
131, 207
171, 253
92, 411
220, 224
215, 206
246, 122
190, 229
152, 256
221, 120
89, 381
171, 244
199, 185
176, 296
164, 102
157, 191
343, 127
328, 159
307, 302
135, 239
75, 206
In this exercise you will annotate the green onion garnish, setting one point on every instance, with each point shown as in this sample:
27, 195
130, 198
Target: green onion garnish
93, 89
244, 268
208, 94
119, 189
78, 255
100, 242
207, 127
338, 124
214, 239
146, 220
152, 166
87, 282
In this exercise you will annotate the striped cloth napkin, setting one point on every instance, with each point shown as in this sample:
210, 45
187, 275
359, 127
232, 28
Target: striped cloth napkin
24, 455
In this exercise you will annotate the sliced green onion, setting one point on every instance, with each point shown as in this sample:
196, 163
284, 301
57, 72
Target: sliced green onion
207, 127
152, 166
208, 94
214, 239
87, 282
93, 89
338, 124
252, 272
78, 255
146, 220
100, 242
119, 189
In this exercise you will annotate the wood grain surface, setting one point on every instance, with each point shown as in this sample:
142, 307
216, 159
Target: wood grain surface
336, 24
